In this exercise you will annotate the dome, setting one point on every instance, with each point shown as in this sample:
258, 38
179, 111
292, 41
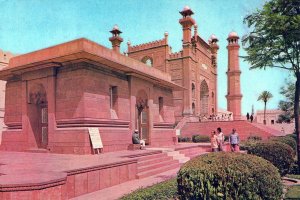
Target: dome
232, 34
186, 8
213, 37
115, 27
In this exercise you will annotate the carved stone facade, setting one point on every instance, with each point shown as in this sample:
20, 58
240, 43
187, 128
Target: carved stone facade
54, 95
194, 68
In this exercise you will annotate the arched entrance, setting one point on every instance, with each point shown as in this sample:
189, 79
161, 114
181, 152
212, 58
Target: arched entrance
204, 94
38, 115
142, 115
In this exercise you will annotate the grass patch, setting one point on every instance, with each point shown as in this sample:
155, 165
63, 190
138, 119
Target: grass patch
163, 191
293, 193
295, 176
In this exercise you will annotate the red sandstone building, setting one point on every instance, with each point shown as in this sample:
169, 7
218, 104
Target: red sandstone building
4, 59
55, 94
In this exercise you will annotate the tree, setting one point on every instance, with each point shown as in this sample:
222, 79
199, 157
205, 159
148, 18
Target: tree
287, 105
274, 41
265, 96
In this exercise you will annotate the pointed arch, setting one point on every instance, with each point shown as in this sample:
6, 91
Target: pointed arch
204, 95
148, 61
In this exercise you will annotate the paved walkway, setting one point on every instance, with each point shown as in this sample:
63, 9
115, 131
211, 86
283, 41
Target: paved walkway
117, 191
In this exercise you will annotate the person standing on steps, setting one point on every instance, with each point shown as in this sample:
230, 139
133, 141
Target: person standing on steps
214, 141
251, 118
248, 116
220, 137
234, 141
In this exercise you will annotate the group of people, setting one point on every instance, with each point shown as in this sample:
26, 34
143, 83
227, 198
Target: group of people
217, 140
249, 117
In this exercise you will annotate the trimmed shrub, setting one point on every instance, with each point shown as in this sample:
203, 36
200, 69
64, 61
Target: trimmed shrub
164, 190
254, 137
184, 139
278, 153
245, 145
286, 140
229, 176
294, 136
200, 138
294, 169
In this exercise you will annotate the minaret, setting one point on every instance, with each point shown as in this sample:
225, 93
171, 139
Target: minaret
116, 40
234, 96
187, 22
213, 41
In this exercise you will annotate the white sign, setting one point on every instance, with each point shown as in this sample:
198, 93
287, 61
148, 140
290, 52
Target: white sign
95, 138
177, 131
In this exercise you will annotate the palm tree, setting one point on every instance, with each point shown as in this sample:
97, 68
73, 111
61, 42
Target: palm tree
265, 96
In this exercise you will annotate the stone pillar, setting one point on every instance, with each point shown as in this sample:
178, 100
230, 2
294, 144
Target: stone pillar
234, 96
150, 120
25, 119
187, 22
214, 51
51, 80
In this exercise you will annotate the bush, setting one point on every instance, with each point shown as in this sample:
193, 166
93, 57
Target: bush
278, 153
184, 139
254, 137
294, 136
228, 176
200, 138
286, 140
294, 168
165, 190
245, 145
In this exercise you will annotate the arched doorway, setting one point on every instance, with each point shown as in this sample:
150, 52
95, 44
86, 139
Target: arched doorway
38, 115
142, 116
193, 108
204, 94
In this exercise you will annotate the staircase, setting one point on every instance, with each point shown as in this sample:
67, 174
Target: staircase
154, 164
244, 129
194, 151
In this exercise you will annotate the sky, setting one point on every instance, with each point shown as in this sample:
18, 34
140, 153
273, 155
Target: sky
35, 24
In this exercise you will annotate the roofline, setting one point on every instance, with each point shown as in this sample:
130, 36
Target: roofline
85, 49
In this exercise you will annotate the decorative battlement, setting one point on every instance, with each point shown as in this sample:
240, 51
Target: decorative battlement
149, 45
176, 55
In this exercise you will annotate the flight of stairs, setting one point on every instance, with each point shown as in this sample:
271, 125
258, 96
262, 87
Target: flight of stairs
194, 151
154, 164
244, 129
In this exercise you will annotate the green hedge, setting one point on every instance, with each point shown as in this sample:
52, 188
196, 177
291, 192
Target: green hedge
184, 139
294, 136
278, 153
200, 138
229, 176
254, 137
164, 191
286, 140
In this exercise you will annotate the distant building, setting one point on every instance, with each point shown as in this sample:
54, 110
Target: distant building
4, 59
271, 116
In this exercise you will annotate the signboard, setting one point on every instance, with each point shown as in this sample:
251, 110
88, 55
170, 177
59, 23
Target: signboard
177, 131
95, 138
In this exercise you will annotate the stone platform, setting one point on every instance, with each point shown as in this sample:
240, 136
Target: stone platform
35, 176
54, 176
